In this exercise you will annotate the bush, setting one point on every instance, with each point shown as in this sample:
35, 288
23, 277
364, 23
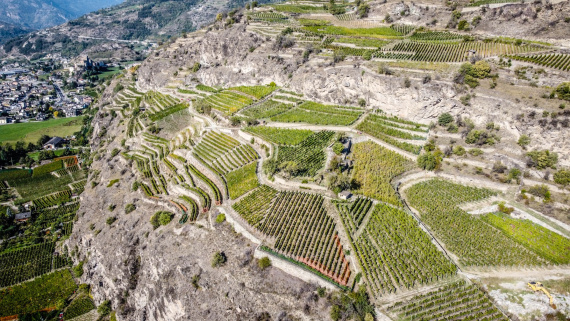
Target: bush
161, 218
523, 141
542, 159
459, 150
114, 152
338, 148
475, 152
504, 209
129, 208
431, 160
105, 308
463, 25
78, 269
540, 191
445, 119
219, 259
264, 263
562, 91
196, 67
111, 220
562, 177
221, 218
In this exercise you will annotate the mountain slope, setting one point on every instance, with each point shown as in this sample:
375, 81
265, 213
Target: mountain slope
39, 14
9, 31
133, 20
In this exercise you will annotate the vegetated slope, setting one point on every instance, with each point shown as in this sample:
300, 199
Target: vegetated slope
39, 14
9, 31
131, 20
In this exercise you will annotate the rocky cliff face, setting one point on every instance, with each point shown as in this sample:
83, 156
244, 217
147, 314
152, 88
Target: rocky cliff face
227, 60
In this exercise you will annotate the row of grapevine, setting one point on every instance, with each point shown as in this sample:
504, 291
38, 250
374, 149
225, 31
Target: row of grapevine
390, 129
374, 129
544, 242
475, 242
29, 262
403, 29
61, 213
228, 101
319, 114
309, 156
281, 136
193, 211
396, 254
556, 60
267, 109
38, 294
224, 153
374, 168
435, 36
353, 214
52, 199
259, 92
301, 228
456, 301
268, 17
442, 52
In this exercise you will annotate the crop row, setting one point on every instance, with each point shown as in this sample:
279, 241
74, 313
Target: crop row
309, 156
242, 180
319, 114
301, 228
38, 294
374, 168
388, 128
228, 101
396, 254
267, 109
375, 130
193, 211
549, 245
281, 136
442, 52
475, 242
259, 92
28, 263
52, 199
353, 214
457, 301
435, 36
558, 61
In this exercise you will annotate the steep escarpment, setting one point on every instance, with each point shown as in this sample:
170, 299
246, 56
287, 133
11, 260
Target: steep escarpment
167, 273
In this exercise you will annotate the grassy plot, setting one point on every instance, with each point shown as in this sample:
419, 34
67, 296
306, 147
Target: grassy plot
41, 293
548, 244
31, 132
279, 135
242, 180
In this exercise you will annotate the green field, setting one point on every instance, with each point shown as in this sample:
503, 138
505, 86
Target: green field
31, 132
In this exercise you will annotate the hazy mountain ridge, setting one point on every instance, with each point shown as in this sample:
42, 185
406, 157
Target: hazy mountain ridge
133, 20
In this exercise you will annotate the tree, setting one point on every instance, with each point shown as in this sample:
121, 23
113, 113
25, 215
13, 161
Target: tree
130, 207
431, 160
219, 259
445, 119
289, 168
363, 10
542, 159
481, 69
463, 25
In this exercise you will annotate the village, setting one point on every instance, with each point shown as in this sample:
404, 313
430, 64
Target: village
46, 89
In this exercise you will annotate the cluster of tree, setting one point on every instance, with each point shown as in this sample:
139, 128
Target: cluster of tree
333, 8
351, 306
469, 73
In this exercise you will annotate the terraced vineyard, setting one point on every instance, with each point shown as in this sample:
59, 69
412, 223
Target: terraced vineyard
319, 114
475, 242
396, 255
547, 244
309, 156
268, 17
436, 36
556, 61
267, 109
234, 99
394, 132
353, 214
444, 52
301, 229
455, 301
280, 136
374, 167
29, 262
160, 105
